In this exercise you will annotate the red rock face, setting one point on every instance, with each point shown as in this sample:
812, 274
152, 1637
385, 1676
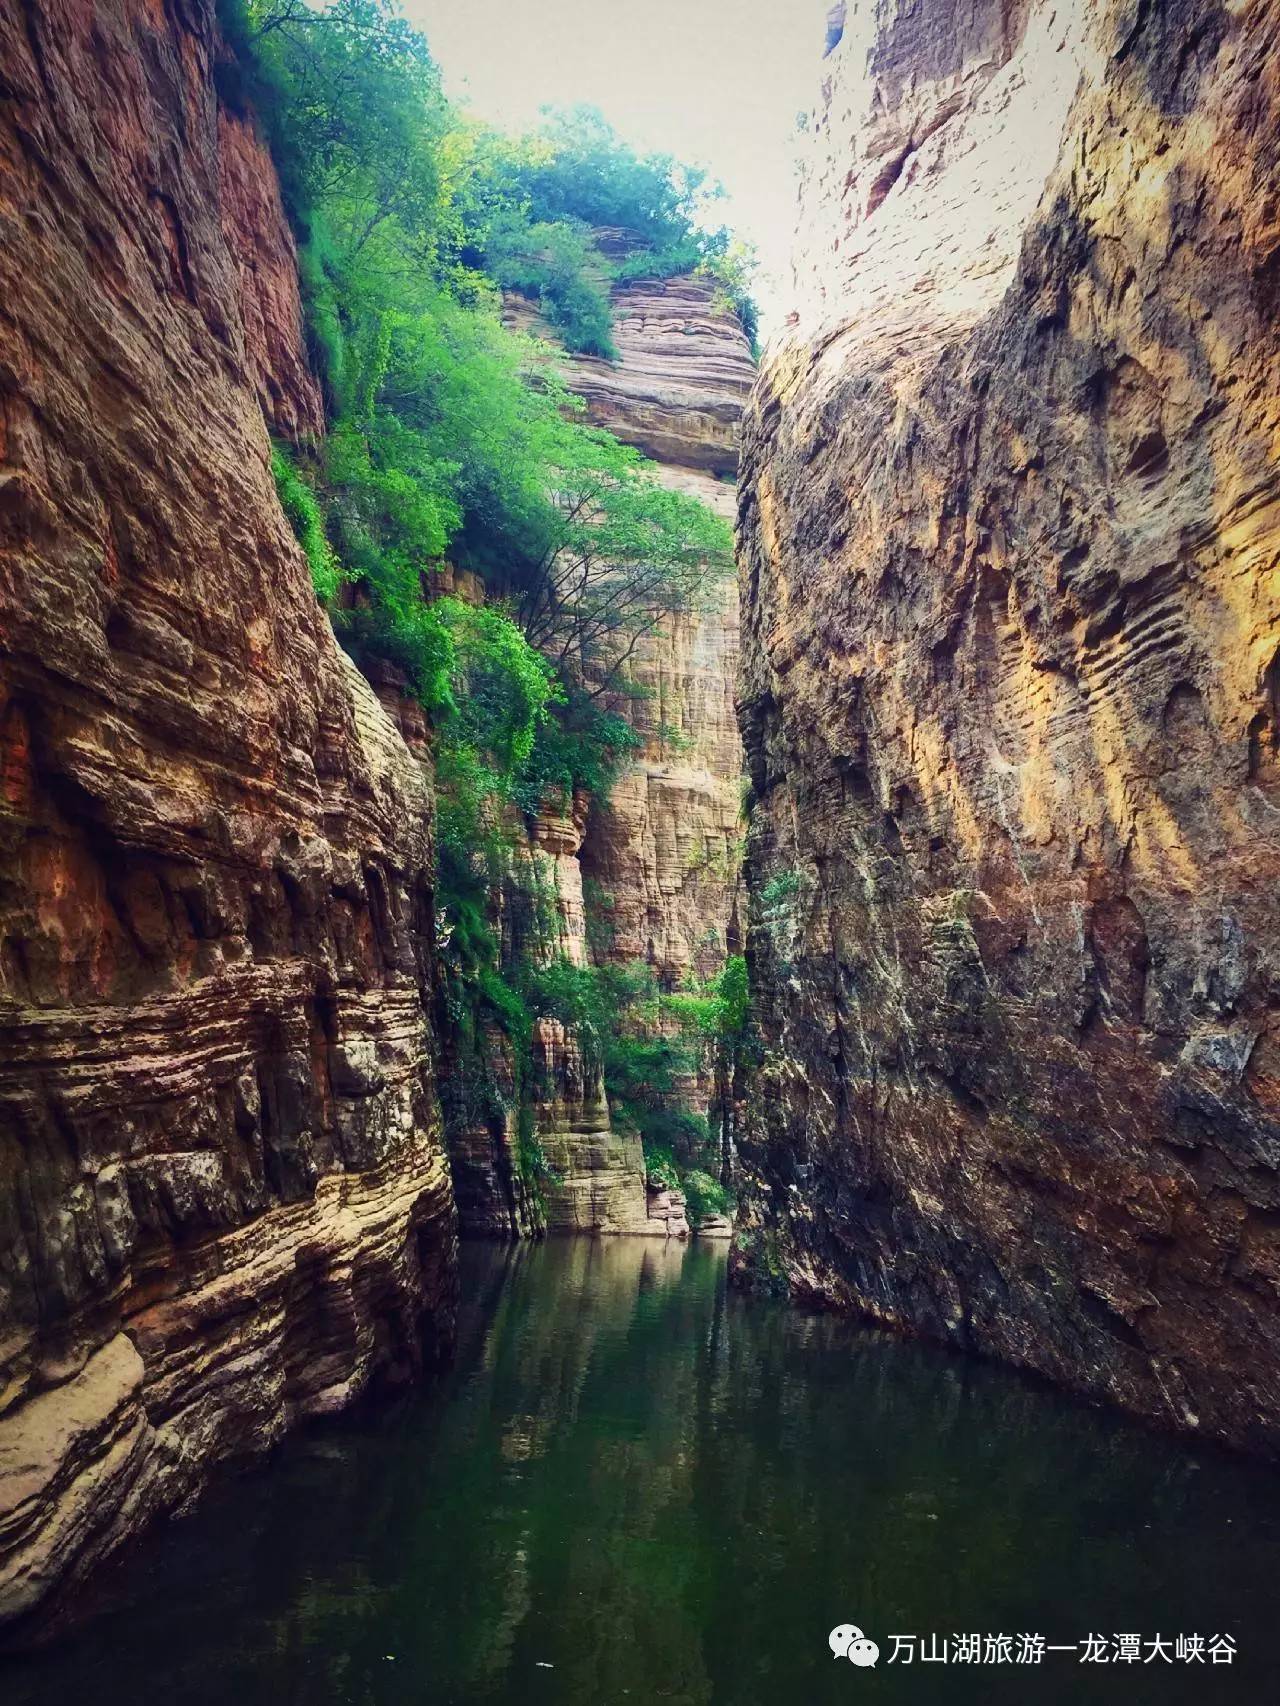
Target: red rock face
223, 1202
1010, 534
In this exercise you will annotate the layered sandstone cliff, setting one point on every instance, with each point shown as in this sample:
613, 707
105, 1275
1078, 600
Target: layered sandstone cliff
651, 875
665, 850
1010, 531
661, 859
223, 1198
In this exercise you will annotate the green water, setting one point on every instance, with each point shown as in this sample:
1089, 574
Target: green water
636, 1486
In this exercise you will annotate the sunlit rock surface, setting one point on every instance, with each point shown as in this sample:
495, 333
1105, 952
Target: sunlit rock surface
1010, 522
223, 1198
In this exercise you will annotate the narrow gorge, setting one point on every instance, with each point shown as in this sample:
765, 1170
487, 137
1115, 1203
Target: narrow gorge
584, 904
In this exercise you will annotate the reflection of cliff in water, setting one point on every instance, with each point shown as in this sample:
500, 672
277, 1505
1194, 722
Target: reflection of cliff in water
667, 1492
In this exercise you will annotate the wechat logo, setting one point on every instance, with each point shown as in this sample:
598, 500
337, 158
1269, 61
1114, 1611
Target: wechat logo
847, 1641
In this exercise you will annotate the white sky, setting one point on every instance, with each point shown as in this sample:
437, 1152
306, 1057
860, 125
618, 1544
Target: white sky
717, 83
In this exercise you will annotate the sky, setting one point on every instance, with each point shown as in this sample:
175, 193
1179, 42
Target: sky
717, 83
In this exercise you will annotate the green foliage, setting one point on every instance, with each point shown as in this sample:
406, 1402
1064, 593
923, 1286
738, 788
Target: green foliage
781, 890
573, 995
351, 102
577, 167
660, 1168
499, 692
704, 1196
501, 687
531, 1159
732, 267
583, 749
670, 261
303, 513
622, 553
449, 434
600, 929
525, 208
557, 263
733, 996
649, 1044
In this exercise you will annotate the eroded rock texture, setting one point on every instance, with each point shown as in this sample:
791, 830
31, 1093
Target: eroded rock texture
665, 851
1010, 525
653, 875
223, 1202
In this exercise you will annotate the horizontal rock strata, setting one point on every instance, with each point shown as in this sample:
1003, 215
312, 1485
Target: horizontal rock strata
223, 1199
1010, 532
650, 875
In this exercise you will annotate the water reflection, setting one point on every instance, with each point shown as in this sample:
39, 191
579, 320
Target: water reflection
636, 1487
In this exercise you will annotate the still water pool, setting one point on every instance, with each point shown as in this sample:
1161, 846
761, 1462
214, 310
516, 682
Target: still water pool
636, 1486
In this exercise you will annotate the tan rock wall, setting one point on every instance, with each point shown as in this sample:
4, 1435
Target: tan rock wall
664, 854
597, 1172
1010, 539
666, 848
652, 875
223, 1200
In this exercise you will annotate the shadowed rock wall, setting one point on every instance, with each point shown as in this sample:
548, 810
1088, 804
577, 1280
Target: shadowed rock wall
1009, 529
223, 1199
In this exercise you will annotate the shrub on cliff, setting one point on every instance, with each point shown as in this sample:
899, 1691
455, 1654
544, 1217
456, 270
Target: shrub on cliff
449, 434
704, 1196
304, 515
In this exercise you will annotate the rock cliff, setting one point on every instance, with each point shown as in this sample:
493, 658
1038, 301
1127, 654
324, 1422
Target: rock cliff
1010, 531
223, 1199
666, 848
661, 860
651, 876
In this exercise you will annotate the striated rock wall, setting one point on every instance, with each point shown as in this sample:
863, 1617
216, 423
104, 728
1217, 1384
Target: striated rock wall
596, 1181
1010, 532
652, 875
683, 371
223, 1198
661, 860
665, 851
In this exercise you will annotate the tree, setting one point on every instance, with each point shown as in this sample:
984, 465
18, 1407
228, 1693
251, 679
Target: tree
355, 111
622, 553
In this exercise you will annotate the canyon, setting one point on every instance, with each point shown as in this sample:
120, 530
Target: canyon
1001, 665
1009, 545
226, 1199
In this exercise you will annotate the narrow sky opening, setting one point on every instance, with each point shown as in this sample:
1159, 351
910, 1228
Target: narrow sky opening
717, 83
